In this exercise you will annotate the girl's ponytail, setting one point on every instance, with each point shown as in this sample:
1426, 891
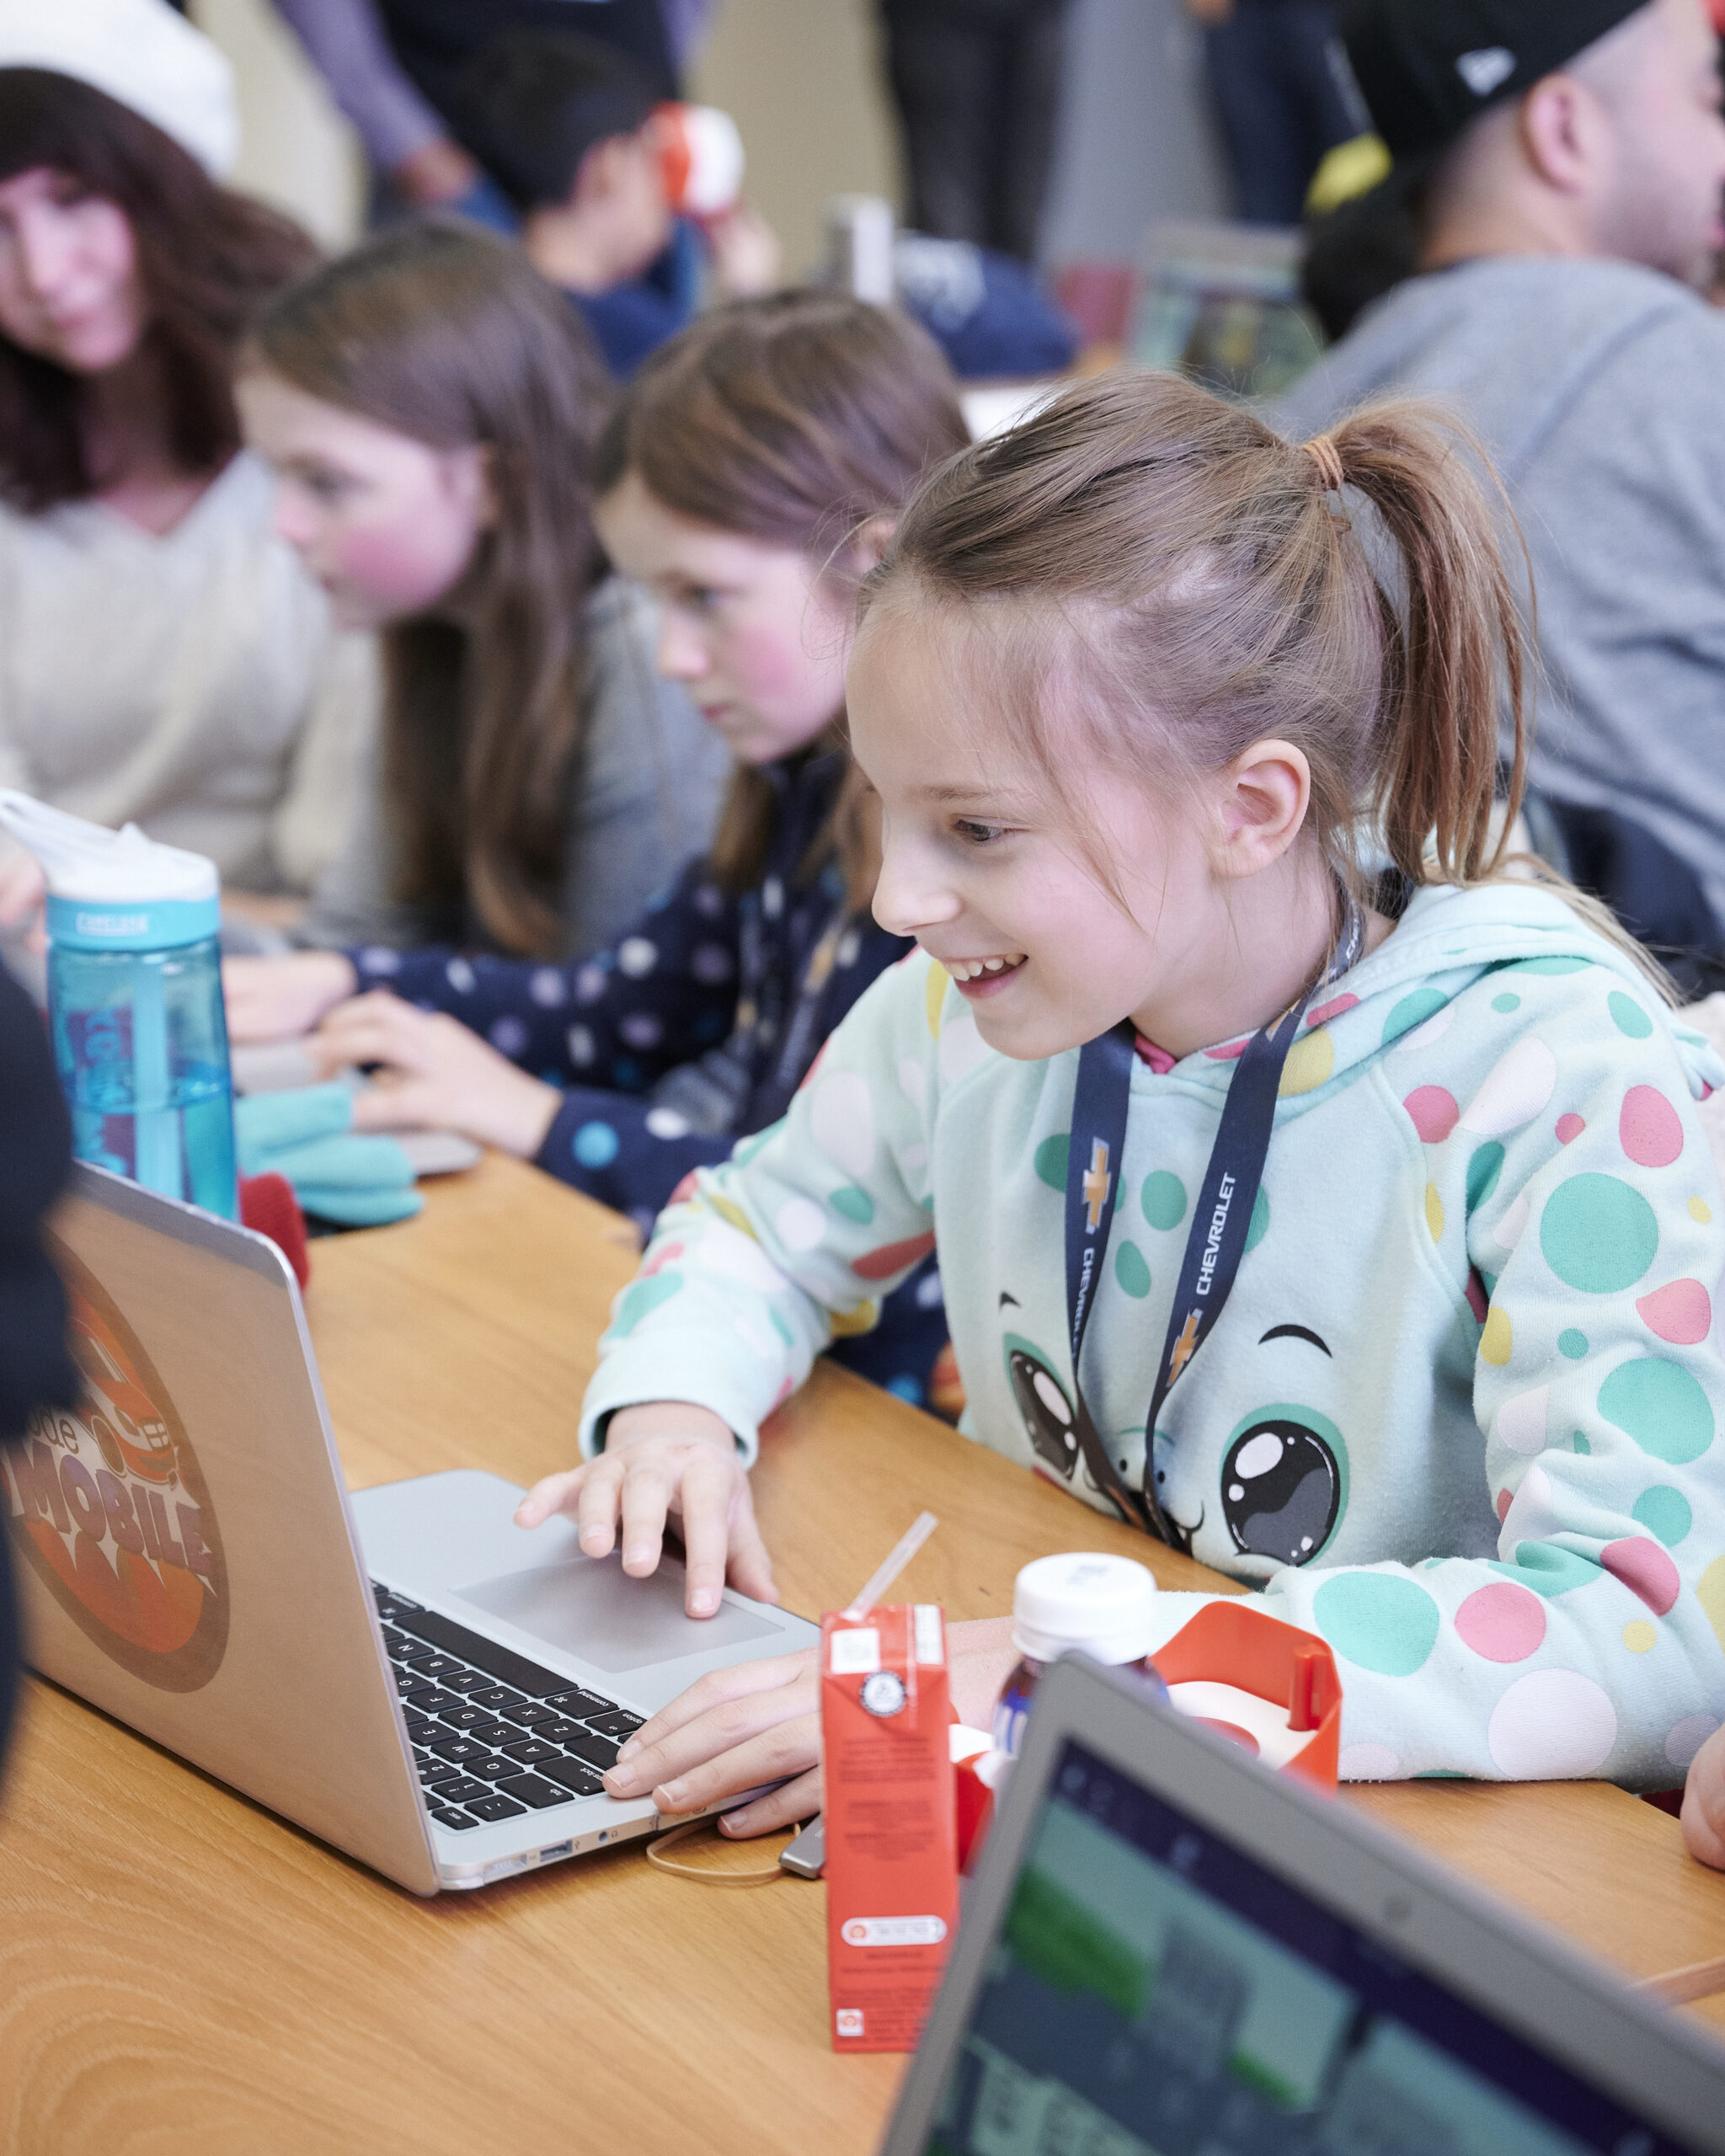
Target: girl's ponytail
1454, 651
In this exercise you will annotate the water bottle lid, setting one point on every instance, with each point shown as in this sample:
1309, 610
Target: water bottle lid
87, 861
1103, 1604
113, 890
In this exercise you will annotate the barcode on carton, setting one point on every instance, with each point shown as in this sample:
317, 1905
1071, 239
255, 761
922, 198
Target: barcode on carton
930, 1644
855, 1653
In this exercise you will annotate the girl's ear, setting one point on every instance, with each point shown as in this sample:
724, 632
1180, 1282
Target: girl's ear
470, 474
1263, 796
869, 543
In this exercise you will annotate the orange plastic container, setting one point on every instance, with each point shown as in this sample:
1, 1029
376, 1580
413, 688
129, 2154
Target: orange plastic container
1230, 1643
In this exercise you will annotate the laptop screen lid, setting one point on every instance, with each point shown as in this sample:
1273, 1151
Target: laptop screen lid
186, 1556
1168, 1949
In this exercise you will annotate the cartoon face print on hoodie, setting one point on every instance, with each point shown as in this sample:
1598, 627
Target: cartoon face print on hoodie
1278, 1484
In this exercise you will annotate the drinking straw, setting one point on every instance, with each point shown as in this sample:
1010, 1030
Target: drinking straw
902, 1551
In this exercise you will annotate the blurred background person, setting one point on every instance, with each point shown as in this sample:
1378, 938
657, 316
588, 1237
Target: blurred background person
1566, 178
164, 658
395, 69
431, 407
567, 127
977, 86
1280, 100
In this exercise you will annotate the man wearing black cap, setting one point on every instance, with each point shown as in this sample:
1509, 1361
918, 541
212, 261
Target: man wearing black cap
1566, 159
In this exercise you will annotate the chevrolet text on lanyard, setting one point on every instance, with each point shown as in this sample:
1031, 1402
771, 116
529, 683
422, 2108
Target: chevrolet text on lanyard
1219, 1225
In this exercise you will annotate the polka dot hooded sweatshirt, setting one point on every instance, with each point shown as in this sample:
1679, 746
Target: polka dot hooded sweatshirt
1460, 1413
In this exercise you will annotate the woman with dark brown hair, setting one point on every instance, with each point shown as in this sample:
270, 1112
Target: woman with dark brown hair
163, 657
430, 405
751, 476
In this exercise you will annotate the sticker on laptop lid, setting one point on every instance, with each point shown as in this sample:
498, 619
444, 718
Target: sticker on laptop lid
106, 1503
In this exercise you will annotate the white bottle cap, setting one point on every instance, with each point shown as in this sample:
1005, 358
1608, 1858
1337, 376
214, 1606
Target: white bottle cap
87, 861
1105, 1606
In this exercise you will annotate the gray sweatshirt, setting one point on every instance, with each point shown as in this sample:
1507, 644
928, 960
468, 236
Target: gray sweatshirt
643, 796
1599, 388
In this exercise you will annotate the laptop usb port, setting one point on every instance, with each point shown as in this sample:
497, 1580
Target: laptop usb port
555, 1849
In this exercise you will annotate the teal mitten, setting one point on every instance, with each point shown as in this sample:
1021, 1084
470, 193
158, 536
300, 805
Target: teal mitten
307, 1136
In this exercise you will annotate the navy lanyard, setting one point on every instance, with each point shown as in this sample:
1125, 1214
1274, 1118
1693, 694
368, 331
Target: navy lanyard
1221, 1223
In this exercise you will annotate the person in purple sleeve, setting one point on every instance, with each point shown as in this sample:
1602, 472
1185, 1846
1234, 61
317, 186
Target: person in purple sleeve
750, 478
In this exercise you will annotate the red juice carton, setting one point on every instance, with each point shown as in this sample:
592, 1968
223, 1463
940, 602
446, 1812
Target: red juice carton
892, 1860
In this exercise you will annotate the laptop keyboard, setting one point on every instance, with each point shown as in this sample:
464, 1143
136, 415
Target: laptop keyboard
494, 1734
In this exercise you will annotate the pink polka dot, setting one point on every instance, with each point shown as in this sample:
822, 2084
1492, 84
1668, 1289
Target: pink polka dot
1231, 1053
1433, 1112
1569, 1129
1648, 1128
1326, 1012
1505, 1499
1680, 1312
1645, 1570
1504, 1623
661, 1258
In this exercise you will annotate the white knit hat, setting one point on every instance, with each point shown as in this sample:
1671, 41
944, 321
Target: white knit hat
143, 55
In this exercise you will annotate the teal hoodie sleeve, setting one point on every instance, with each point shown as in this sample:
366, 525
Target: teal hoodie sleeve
1577, 1203
756, 1266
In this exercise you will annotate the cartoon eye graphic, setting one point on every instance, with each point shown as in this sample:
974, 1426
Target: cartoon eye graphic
1047, 1413
1281, 1487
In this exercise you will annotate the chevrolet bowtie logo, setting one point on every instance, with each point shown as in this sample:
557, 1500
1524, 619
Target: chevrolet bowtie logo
1185, 1347
1095, 1183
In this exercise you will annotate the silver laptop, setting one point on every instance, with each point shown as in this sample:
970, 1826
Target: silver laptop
1169, 1950
403, 1672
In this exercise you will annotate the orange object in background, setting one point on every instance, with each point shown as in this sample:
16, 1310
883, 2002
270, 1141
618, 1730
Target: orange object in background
892, 1865
1231, 1647
699, 157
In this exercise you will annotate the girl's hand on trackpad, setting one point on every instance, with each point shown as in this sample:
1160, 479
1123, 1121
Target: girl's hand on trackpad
662, 1461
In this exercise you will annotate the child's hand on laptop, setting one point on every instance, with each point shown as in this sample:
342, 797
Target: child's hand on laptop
1703, 1801
665, 1458
760, 1721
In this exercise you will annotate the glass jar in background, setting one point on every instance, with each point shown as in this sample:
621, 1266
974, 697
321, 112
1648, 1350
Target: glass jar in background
1102, 1606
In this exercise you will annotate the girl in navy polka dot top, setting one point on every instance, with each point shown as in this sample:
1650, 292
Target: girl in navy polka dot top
750, 478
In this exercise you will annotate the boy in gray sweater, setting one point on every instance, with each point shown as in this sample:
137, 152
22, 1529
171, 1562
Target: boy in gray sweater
1569, 158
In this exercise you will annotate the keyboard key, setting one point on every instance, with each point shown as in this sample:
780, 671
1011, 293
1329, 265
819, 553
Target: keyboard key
618, 1725
492, 1767
464, 1792
400, 1648
467, 1682
596, 1751
432, 1771
558, 1732
530, 1751
494, 1807
580, 1703
464, 1714
457, 1748
528, 1788
437, 1666
427, 1700
390, 1604
446, 1818
578, 1780
507, 1666
528, 1714
489, 1732
420, 1726
497, 1697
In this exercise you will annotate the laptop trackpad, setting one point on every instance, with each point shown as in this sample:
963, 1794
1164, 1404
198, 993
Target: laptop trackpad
596, 1612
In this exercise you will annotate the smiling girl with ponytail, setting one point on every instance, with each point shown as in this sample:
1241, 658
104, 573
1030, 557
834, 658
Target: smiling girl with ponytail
1309, 1189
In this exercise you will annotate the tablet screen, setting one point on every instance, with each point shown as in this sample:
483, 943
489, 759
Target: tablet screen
1155, 1992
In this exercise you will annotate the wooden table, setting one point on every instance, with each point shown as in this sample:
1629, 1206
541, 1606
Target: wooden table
179, 1969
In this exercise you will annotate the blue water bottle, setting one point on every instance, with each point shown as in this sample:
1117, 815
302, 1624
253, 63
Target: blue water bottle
135, 1002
